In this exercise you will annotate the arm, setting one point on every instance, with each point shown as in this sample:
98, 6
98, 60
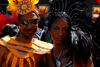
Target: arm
3, 50
43, 61
90, 62
81, 64
37, 59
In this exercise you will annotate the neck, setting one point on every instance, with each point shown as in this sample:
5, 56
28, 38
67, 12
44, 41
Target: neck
57, 48
23, 39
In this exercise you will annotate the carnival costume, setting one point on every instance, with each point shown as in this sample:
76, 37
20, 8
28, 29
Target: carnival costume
24, 50
80, 30
20, 50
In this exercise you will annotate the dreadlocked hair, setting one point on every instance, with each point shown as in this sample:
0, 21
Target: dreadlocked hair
81, 26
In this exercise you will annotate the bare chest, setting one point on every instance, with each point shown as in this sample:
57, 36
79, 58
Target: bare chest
16, 62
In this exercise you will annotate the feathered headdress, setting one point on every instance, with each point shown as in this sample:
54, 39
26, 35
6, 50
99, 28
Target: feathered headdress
81, 26
22, 6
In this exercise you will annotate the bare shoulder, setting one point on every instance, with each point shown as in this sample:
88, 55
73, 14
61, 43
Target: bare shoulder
81, 64
90, 61
3, 50
3, 47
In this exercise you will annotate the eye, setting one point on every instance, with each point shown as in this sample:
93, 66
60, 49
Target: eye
34, 21
65, 30
25, 22
56, 29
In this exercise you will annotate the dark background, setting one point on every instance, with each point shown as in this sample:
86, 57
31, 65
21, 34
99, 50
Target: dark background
89, 3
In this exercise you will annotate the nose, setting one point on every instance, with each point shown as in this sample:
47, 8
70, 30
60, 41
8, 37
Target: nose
60, 33
29, 26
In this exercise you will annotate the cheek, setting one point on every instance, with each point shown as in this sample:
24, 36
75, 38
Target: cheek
35, 27
53, 38
22, 28
53, 34
65, 36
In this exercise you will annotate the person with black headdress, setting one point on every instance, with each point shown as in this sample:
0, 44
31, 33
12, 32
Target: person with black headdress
72, 45
63, 54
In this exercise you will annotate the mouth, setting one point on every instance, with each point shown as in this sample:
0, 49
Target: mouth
30, 31
60, 39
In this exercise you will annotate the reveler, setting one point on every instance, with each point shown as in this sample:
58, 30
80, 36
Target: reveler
69, 32
23, 50
63, 54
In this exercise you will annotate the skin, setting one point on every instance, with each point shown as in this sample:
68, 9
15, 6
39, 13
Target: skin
25, 36
59, 39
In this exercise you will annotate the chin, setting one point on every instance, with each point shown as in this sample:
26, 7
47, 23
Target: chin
59, 42
28, 36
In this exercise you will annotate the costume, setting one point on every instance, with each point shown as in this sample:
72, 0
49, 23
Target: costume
20, 50
23, 50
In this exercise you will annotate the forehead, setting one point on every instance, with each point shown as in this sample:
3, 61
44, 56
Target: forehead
60, 22
29, 16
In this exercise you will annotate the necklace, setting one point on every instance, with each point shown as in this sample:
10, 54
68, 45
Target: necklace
57, 61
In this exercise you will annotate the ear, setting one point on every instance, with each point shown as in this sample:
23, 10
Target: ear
17, 21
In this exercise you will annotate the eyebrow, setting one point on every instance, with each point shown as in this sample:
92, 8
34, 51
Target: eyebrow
55, 26
66, 27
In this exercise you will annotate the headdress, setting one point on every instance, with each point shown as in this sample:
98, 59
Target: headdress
23, 6
81, 25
